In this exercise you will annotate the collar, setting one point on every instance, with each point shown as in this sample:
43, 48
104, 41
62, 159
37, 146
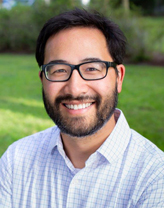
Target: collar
54, 139
116, 143
113, 147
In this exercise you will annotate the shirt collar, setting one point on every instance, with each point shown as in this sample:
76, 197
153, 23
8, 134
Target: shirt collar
54, 139
113, 147
56, 142
116, 143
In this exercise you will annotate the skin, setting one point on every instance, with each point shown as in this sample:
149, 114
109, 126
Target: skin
74, 46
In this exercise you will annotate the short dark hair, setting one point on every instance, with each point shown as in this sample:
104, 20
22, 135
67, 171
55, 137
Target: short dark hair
115, 38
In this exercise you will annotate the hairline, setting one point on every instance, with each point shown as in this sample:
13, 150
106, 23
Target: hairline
77, 26
112, 33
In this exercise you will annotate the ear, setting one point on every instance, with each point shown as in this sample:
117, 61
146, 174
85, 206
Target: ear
120, 77
40, 76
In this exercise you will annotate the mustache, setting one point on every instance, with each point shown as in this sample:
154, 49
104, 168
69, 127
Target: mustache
69, 98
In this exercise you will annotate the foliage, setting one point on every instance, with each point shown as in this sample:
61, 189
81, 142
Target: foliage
16, 29
146, 7
21, 25
150, 7
136, 39
22, 112
41, 12
140, 31
155, 30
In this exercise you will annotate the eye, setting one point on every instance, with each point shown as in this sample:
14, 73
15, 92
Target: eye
90, 69
58, 71
55, 70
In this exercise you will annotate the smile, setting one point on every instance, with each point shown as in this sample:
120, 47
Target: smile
78, 107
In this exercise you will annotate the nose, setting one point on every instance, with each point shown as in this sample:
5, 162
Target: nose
76, 85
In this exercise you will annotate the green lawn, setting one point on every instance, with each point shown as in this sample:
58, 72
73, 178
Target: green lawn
21, 109
142, 101
22, 112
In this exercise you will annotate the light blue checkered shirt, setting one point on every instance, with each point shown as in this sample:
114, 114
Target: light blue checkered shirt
126, 171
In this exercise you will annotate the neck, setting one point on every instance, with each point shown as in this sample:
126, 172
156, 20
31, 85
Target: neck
78, 150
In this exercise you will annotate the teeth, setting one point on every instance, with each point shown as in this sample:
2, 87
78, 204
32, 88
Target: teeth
80, 106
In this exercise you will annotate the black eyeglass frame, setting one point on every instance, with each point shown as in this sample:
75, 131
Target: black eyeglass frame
76, 67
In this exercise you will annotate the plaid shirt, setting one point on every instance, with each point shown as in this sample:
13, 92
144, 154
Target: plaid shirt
126, 171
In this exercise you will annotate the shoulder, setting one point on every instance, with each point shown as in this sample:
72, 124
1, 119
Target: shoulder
147, 157
30, 147
147, 162
144, 145
34, 141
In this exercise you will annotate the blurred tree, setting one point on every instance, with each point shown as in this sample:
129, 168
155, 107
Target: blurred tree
73, 2
106, 5
126, 6
146, 5
103, 7
149, 7
47, 2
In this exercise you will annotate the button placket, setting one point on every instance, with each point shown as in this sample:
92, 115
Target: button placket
74, 189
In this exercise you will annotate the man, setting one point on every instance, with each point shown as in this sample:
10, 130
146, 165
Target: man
91, 158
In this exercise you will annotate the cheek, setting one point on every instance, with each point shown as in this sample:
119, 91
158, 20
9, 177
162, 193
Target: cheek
52, 89
103, 87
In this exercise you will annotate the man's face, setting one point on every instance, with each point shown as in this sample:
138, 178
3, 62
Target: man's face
79, 107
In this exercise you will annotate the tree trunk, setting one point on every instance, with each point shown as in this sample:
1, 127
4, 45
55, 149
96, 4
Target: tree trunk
126, 6
47, 2
72, 3
106, 6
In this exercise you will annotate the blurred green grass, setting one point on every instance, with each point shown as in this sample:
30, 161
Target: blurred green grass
21, 108
22, 112
142, 101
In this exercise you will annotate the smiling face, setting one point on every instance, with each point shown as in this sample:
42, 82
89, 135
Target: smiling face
79, 107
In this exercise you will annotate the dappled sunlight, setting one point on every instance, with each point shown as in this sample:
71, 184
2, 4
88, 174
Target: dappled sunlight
16, 125
23, 101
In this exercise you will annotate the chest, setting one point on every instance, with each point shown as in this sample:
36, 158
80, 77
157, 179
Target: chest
54, 185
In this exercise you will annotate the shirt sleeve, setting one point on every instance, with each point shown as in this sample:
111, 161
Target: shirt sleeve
153, 196
5, 182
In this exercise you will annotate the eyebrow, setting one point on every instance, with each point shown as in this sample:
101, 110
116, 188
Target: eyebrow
91, 59
58, 61
66, 62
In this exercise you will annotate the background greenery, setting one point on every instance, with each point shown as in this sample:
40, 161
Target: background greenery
20, 26
22, 112
21, 106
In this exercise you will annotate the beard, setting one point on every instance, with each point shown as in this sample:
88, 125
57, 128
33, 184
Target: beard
82, 126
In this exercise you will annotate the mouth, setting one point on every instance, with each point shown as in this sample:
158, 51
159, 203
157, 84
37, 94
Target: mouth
77, 106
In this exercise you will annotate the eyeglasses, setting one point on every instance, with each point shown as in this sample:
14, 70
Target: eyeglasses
61, 72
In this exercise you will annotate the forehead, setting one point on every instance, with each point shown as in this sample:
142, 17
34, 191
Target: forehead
78, 42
